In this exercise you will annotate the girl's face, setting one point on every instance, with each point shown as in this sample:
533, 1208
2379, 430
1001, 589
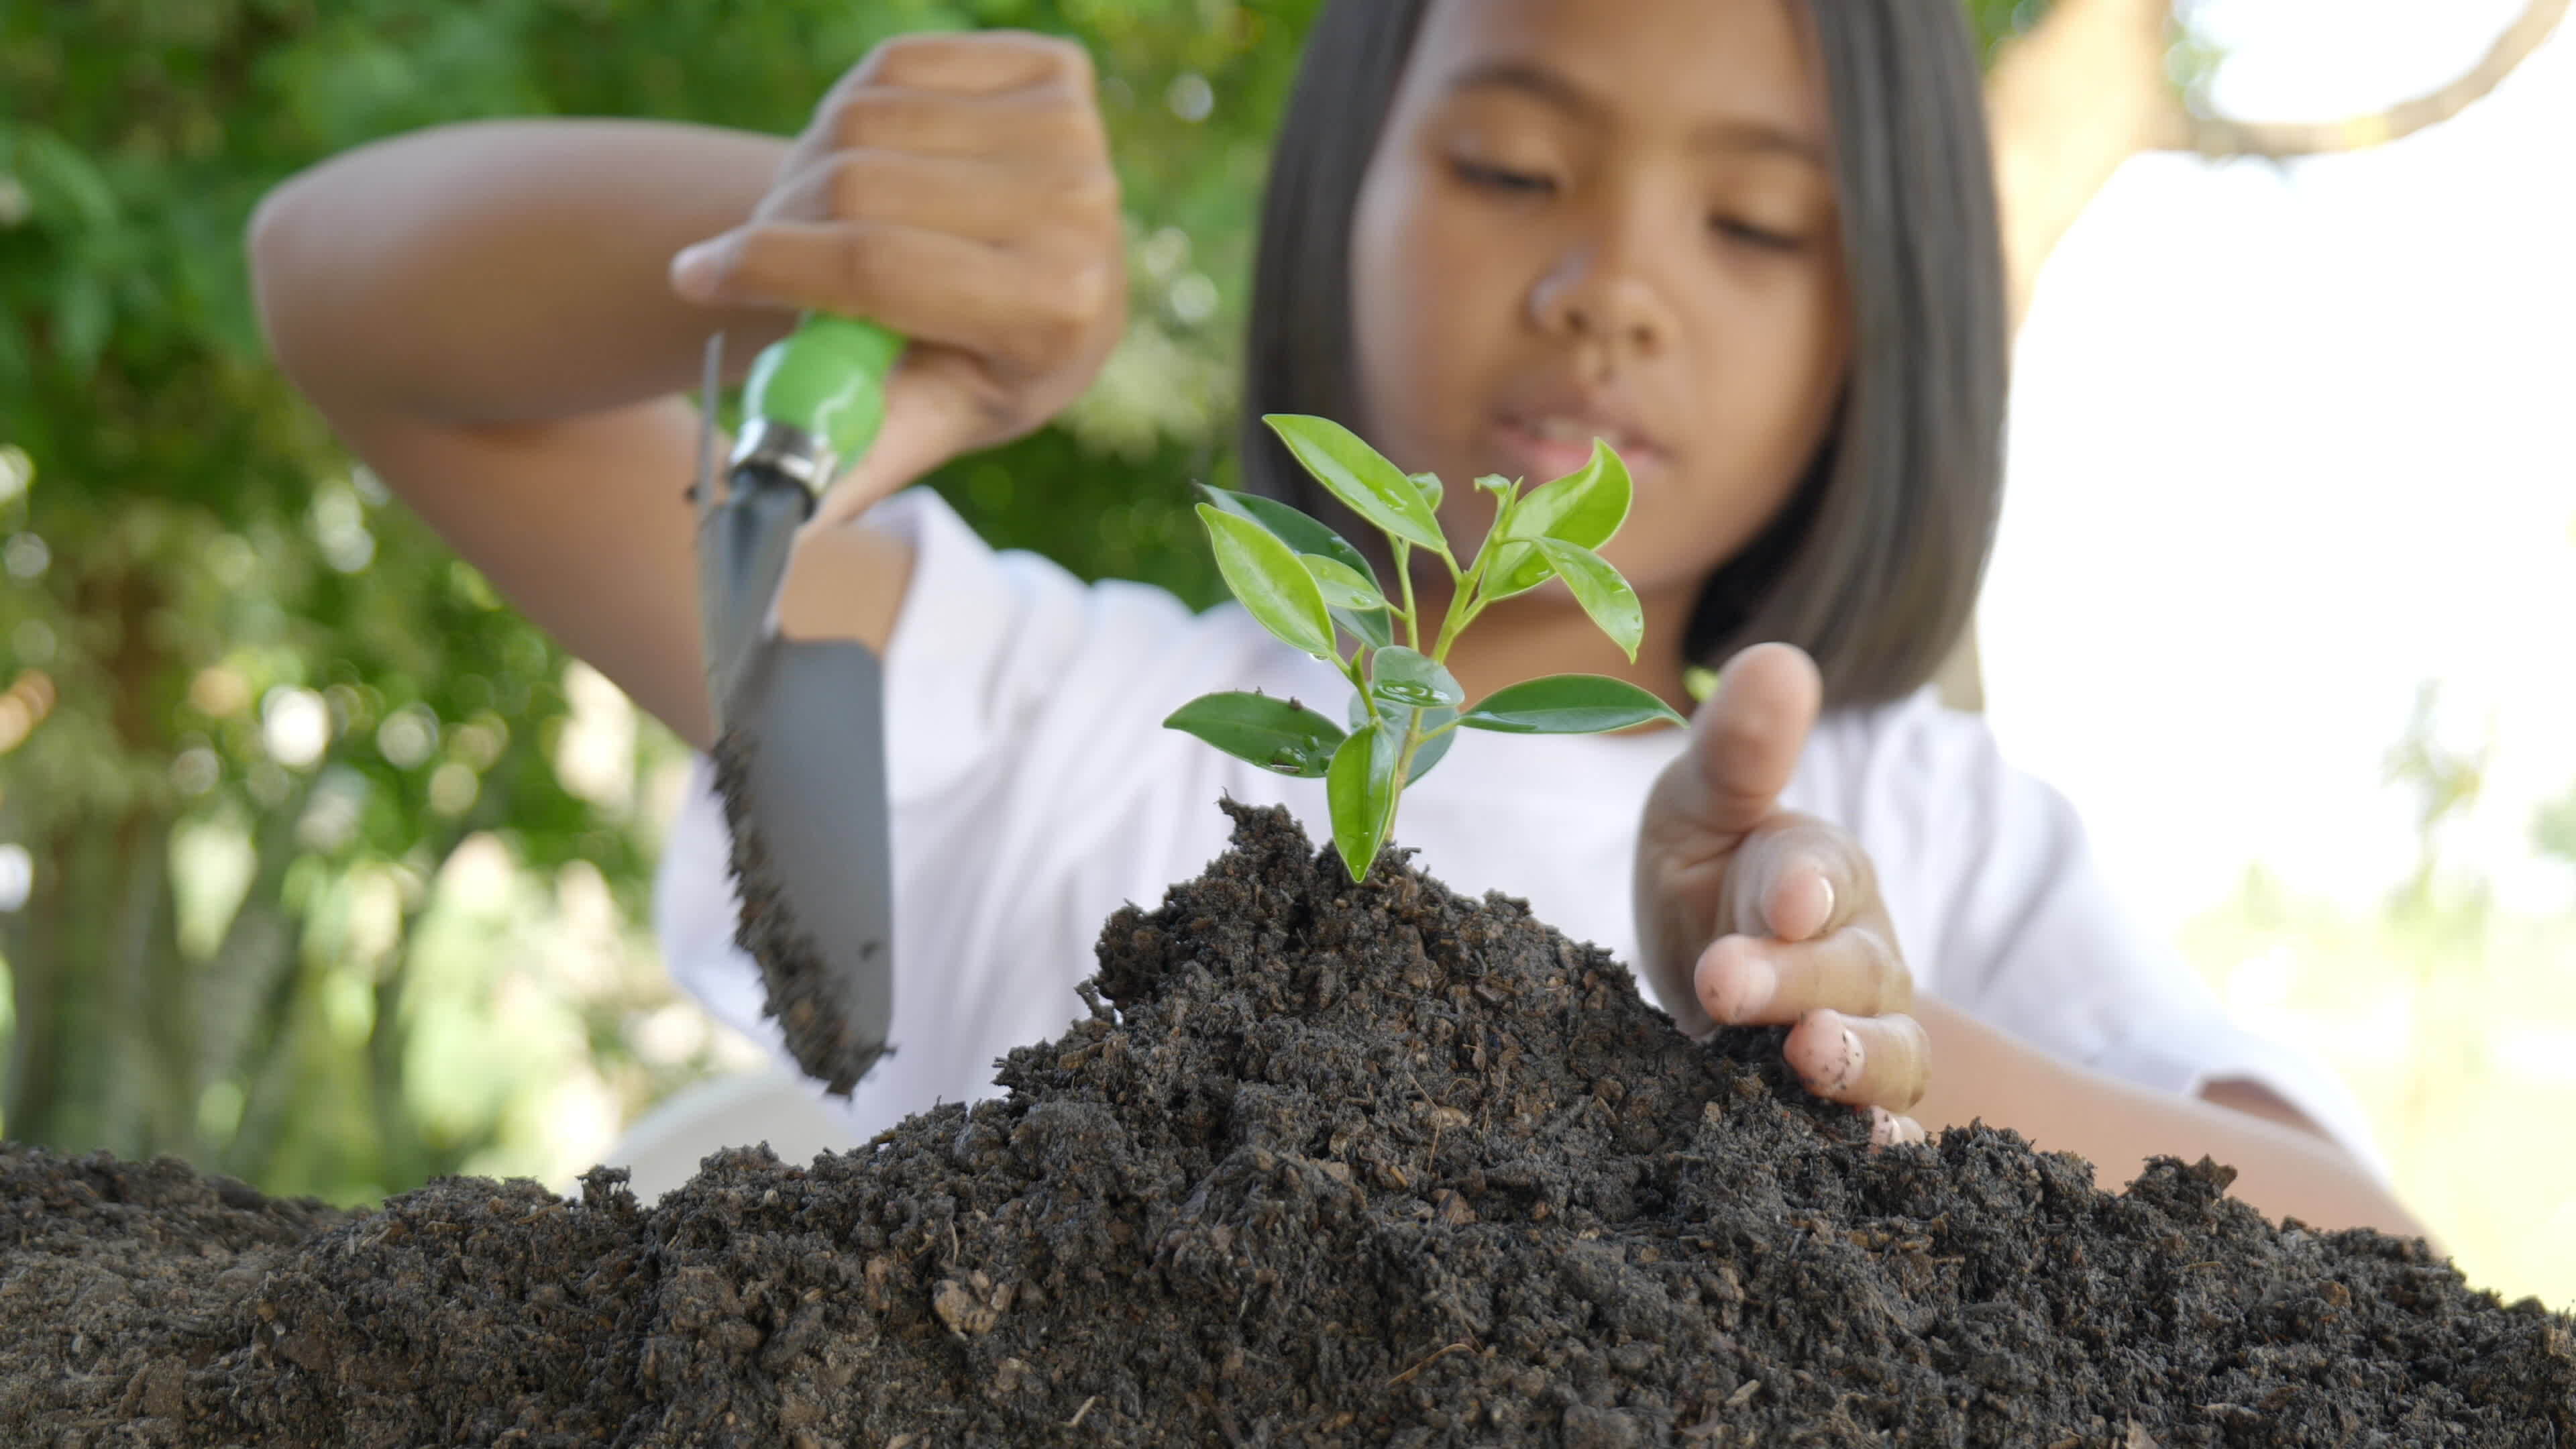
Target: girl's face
1612, 218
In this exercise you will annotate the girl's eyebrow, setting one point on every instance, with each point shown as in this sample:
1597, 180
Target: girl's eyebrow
1556, 88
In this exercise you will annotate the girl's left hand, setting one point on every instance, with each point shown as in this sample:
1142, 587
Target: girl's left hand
1749, 915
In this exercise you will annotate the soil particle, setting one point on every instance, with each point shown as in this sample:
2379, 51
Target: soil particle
118, 1279
1325, 1164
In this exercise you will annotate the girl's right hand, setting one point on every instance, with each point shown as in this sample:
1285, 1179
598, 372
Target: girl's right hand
957, 189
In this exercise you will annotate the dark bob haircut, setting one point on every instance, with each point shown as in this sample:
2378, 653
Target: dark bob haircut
1873, 565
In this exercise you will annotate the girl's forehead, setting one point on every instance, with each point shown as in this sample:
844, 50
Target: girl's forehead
1646, 63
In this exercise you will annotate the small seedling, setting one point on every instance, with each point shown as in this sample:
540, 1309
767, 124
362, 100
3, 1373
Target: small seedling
1311, 588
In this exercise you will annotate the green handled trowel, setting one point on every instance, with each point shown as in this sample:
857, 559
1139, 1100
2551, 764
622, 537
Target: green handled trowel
800, 724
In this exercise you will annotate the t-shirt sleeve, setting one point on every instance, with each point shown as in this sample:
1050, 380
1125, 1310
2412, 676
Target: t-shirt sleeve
2002, 911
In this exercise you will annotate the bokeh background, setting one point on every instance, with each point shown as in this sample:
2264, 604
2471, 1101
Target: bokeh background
320, 867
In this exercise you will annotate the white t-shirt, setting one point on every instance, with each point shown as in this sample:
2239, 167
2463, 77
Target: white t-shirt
1035, 791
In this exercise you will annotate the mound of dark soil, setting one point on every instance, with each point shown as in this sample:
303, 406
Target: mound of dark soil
1327, 1165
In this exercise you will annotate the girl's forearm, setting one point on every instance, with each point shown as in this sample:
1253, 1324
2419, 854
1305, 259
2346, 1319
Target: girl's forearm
505, 271
1979, 1072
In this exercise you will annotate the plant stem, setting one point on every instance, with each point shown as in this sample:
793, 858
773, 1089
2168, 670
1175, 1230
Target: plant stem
1463, 608
1404, 575
1464, 605
1359, 680
1413, 738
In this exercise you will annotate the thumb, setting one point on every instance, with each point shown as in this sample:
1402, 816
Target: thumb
1746, 740
703, 273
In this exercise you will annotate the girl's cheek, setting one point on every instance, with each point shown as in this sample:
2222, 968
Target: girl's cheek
1470, 283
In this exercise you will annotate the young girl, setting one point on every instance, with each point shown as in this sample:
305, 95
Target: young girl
1752, 243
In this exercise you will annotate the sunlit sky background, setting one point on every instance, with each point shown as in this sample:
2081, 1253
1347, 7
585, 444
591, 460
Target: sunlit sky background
2288, 441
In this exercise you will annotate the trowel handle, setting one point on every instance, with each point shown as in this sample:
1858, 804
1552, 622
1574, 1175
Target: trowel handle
814, 401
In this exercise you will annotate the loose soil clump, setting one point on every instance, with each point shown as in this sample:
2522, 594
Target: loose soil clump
1325, 1165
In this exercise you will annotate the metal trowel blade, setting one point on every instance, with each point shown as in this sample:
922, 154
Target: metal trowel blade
800, 766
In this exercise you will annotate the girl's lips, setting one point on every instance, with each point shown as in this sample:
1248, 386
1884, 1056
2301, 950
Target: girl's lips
1544, 457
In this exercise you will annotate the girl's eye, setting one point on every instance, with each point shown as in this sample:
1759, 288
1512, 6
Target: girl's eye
1755, 236
1498, 178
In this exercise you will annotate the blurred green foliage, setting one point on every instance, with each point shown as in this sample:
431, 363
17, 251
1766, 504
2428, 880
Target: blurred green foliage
332, 865
1997, 21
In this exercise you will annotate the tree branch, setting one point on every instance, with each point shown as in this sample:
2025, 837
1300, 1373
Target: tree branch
2085, 90
2068, 102
2217, 136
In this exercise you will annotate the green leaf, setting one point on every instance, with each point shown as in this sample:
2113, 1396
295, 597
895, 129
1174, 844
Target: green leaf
1309, 537
1517, 568
1353, 598
1266, 575
1360, 477
1344, 587
1373, 627
1428, 485
1497, 483
1584, 508
1276, 734
1299, 531
1408, 679
1599, 589
1360, 788
1567, 704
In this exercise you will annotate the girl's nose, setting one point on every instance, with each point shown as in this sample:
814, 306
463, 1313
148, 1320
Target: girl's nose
1595, 296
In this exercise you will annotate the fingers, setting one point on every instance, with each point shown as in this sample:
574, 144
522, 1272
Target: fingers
1798, 877
1028, 205
1801, 901
1746, 740
1016, 310
981, 62
1051, 122
1747, 980
1744, 747
956, 189
1887, 1129
990, 138
1881, 1061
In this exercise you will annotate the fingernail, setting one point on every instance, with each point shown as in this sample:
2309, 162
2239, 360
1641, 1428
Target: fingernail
695, 271
1887, 1129
1803, 900
1849, 1076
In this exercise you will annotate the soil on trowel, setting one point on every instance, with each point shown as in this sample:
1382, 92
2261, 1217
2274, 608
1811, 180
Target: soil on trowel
1326, 1164
796, 974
